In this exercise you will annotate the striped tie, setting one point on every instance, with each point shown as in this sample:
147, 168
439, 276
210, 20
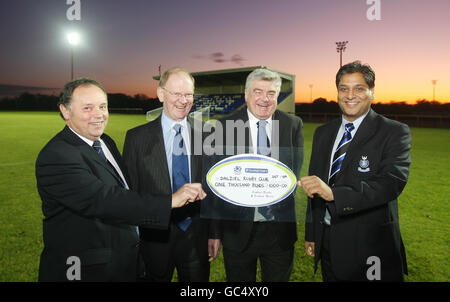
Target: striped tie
98, 147
339, 154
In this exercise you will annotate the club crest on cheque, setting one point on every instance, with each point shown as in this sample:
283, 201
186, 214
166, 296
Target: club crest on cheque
364, 164
237, 170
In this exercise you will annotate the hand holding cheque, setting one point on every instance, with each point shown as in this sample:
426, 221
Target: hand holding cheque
189, 192
314, 185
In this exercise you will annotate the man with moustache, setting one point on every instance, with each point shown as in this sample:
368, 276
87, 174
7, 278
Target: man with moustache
359, 166
159, 157
90, 216
264, 233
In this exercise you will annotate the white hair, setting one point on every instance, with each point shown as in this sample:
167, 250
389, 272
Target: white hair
265, 75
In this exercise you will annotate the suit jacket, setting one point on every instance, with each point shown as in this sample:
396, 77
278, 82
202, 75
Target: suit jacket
364, 214
145, 158
88, 214
236, 233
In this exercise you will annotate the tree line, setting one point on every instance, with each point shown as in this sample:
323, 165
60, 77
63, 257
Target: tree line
421, 107
42, 102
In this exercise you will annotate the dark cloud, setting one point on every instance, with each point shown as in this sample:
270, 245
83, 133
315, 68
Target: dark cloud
238, 59
219, 57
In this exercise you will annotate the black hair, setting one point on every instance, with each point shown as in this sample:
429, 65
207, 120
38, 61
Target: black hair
356, 66
65, 97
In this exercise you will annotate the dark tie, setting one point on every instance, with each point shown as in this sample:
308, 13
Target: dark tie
338, 158
98, 147
263, 149
180, 169
263, 140
340, 152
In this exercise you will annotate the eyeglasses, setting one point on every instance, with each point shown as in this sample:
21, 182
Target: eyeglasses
178, 95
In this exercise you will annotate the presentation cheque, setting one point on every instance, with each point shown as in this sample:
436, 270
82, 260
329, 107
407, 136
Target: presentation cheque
251, 180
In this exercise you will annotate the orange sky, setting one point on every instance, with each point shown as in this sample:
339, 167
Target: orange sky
124, 42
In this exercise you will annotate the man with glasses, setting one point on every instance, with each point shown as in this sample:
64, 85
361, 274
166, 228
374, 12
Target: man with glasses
159, 157
264, 233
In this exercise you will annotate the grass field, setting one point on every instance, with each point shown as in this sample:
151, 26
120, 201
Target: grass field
424, 205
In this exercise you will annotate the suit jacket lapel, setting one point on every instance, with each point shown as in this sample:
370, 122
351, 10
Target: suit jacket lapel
158, 151
327, 145
248, 133
241, 115
195, 160
365, 132
88, 151
278, 140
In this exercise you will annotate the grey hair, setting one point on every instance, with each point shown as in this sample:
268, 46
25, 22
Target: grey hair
265, 75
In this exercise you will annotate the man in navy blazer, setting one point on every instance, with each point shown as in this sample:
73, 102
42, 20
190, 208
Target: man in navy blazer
359, 166
90, 221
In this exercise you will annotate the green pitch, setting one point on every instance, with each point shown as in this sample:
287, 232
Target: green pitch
424, 205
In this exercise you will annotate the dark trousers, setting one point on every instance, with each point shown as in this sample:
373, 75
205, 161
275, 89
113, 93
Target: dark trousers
327, 271
180, 252
276, 263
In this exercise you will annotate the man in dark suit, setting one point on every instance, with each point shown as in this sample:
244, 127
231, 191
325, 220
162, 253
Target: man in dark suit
152, 155
359, 166
90, 216
264, 233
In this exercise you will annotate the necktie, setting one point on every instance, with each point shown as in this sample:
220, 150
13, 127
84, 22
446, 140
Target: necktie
180, 169
263, 149
263, 140
98, 147
338, 158
340, 152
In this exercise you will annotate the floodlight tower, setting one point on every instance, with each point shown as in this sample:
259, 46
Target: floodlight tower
340, 47
73, 39
434, 89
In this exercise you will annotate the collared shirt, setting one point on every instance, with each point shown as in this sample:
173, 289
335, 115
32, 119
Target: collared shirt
169, 136
254, 136
356, 124
254, 131
341, 132
108, 155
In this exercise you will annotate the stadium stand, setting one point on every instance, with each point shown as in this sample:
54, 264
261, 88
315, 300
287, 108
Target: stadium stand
220, 92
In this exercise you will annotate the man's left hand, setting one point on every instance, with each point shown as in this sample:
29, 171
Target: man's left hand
314, 185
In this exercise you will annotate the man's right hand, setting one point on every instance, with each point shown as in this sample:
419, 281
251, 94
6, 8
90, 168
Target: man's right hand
189, 192
309, 248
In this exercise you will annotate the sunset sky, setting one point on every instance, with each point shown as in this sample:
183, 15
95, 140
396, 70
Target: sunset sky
124, 42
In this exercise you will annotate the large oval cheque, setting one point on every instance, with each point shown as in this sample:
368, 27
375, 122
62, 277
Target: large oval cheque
251, 180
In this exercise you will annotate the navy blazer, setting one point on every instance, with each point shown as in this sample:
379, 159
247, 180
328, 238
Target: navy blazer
364, 214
